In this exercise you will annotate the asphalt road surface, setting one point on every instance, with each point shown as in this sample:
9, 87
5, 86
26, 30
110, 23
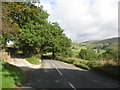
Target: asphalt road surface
57, 74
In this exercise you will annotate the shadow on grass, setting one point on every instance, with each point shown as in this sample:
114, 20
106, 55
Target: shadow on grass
10, 71
109, 71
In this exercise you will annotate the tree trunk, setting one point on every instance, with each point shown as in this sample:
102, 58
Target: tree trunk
53, 53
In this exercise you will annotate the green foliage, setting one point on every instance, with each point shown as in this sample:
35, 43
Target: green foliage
111, 54
76, 49
33, 33
93, 64
88, 54
32, 59
59, 42
9, 27
11, 75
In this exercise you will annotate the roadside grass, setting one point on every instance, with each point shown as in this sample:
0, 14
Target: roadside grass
81, 65
32, 60
11, 75
74, 61
107, 68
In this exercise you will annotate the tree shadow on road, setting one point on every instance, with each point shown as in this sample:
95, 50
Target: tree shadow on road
52, 79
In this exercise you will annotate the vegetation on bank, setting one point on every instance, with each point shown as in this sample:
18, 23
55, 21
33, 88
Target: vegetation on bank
101, 56
108, 68
11, 75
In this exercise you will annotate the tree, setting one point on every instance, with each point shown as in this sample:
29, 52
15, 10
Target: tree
59, 43
35, 33
88, 54
29, 19
9, 28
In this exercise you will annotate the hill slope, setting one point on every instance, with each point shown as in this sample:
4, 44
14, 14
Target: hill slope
101, 44
106, 41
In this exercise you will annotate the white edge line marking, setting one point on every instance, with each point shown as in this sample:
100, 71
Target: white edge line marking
56, 68
72, 86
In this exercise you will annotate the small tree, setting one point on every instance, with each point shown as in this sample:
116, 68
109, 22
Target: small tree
88, 54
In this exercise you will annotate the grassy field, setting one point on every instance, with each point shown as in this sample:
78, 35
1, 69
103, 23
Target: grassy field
11, 75
32, 59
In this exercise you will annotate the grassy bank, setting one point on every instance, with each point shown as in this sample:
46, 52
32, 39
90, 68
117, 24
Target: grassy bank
32, 60
106, 68
11, 75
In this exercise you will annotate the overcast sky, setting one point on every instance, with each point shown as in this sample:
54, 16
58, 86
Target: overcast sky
84, 20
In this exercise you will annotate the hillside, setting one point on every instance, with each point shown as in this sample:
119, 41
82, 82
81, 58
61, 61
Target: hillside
106, 41
101, 44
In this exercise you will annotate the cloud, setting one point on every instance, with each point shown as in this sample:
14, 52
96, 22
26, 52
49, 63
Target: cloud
85, 19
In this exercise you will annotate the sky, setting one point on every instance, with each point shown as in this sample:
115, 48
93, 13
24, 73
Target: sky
84, 20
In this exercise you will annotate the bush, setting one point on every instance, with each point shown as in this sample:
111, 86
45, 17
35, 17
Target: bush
88, 54
111, 54
93, 64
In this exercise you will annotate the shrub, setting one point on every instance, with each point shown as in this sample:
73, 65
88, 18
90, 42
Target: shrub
111, 54
88, 54
93, 64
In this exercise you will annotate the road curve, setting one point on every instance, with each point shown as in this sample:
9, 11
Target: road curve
57, 74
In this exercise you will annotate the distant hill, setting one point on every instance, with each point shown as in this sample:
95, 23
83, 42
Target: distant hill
101, 44
106, 41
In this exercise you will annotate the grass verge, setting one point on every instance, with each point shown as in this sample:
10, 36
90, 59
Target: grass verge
11, 75
32, 60
109, 70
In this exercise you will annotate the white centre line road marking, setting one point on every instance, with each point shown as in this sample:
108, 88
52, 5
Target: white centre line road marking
61, 75
56, 68
72, 86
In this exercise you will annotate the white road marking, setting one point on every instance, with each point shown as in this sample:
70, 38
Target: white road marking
61, 74
56, 68
72, 86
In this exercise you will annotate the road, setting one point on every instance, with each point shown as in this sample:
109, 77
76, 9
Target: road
57, 74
